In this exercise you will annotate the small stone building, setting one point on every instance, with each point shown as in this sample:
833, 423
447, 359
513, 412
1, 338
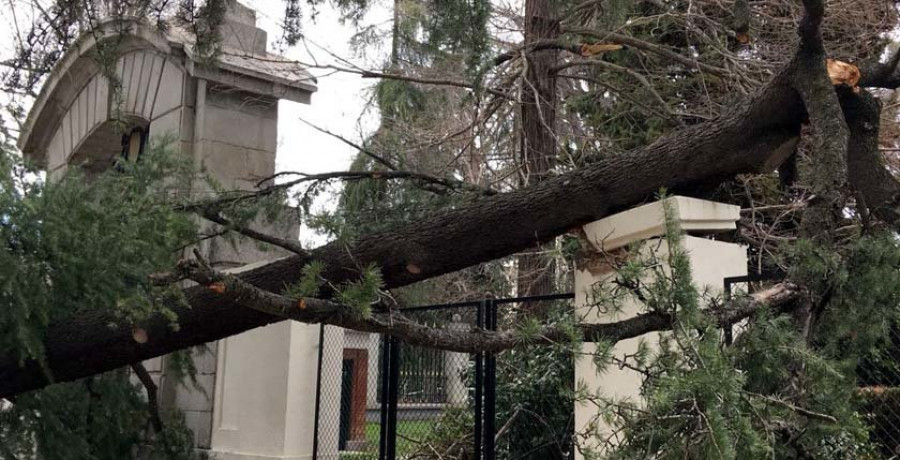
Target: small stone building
224, 117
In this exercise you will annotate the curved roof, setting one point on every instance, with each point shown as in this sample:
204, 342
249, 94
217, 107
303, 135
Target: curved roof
246, 67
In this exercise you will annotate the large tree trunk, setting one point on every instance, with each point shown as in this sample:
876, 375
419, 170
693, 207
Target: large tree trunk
754, 137
539, 143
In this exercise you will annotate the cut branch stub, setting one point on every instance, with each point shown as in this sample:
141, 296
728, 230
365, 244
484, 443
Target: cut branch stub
843, 73
594, 49
139, 335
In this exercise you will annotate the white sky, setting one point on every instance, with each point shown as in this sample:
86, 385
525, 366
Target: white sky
339, 104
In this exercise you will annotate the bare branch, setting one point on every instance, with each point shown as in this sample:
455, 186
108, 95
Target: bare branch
378, 158
215, 217
799, 410
581, 49
658, 50
152, 402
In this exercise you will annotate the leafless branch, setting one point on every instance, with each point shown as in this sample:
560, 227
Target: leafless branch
152, 402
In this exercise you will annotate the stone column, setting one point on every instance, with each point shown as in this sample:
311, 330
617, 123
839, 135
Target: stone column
711, 261
264, 403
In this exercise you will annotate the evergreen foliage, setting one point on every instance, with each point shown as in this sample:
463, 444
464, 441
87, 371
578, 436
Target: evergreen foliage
768, 394
82, 243
92, 242
104, 417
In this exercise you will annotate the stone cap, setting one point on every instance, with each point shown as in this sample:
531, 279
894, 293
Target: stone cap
695, 216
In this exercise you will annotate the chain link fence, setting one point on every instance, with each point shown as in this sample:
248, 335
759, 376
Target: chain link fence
379, 398
878, 377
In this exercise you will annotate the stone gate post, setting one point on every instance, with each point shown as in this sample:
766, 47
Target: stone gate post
643, 228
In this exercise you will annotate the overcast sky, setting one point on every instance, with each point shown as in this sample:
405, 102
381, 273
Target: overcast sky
338, 106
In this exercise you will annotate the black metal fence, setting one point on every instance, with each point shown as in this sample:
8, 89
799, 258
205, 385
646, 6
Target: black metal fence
380, 398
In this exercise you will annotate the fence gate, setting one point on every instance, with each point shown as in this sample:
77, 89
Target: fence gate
378, 398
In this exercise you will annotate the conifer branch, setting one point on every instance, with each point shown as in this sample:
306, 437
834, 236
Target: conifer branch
313, 310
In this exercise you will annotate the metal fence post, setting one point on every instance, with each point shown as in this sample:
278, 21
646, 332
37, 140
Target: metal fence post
490, 389
385, 395
393, 393
479, 386
315, 446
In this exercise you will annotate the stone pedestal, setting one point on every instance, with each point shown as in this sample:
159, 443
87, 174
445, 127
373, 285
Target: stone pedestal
265, 394
644, 226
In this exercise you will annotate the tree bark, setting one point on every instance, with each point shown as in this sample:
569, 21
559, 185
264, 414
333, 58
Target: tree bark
538, 149
754, 137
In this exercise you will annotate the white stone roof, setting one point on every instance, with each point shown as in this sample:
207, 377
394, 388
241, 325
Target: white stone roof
251, 62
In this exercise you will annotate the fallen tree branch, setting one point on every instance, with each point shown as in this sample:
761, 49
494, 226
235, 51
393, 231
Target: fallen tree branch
755, 136
152, 402
866, 169
311, 310
827, 175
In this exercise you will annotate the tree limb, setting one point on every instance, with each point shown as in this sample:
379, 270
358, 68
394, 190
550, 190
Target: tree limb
152, 402
779, 298
756, 135
653, 48
217, 218
581, 49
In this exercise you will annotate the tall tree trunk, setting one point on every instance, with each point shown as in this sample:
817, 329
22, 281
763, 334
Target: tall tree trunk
538, 148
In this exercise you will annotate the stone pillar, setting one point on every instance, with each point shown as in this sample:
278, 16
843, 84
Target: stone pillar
711, 261
224, 116
455, 369
264, 403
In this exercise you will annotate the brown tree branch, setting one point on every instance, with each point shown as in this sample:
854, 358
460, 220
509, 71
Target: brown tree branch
234, 198
152, 402
866, 168
741, 20
580, 49
653, 48
428, 81
778, 298
756, 135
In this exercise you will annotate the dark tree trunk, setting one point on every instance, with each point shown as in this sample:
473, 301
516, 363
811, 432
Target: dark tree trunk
755, 137
539, 143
